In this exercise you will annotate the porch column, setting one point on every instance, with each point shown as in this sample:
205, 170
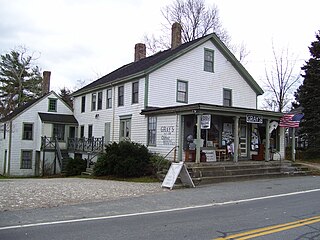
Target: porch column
198, 140
267, 146
236, 139
180, 137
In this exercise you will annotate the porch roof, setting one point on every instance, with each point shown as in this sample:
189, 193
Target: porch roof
202, 108
58, 118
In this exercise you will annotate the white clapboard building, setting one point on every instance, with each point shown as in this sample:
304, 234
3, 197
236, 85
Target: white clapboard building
33, 136
192, 102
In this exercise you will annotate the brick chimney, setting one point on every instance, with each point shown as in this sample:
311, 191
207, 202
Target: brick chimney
175, 35
139, 51
46, 82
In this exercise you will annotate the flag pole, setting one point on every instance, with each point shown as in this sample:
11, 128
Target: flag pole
293, 145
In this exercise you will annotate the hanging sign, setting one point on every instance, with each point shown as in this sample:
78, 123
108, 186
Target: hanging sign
175, 170
205, 121
254, 119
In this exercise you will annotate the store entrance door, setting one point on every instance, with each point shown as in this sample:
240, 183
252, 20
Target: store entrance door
243, 141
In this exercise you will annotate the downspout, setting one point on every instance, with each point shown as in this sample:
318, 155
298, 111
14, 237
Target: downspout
9, 148
113, 109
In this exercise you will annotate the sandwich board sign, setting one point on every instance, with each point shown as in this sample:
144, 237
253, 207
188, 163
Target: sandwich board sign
175, 170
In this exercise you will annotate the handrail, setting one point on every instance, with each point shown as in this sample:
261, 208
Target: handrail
166, 156
86, 144
58, 150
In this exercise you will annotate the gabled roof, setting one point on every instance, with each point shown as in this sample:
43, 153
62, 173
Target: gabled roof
152, 63
58, 118
26, 106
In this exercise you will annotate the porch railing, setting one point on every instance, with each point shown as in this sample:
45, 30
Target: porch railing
86, 144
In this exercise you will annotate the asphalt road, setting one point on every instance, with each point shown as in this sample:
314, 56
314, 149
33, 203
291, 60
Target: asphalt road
254, 205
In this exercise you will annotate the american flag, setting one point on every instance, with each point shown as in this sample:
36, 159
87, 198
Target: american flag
287, 121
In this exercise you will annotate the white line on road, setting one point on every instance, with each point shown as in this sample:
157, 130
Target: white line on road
158, 211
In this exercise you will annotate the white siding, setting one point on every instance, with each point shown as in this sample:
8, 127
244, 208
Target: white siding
30, 115
167, 136
98, 118
203, 87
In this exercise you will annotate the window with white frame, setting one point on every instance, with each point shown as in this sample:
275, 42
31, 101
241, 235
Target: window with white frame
52, 105
26, 159
152, 131
120, 95
109, 98
135, 92
59, 131
99, 101
27, 131
182, 91
227, 97
125, 129
208, 60
90, 131
93, 101
83, 103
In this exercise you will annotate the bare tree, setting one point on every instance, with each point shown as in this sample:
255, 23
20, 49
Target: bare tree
196, 20
281, 81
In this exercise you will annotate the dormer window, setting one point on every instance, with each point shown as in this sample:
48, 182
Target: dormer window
52, 105
208, 60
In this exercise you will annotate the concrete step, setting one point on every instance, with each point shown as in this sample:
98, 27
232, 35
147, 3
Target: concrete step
89, 171
217, 179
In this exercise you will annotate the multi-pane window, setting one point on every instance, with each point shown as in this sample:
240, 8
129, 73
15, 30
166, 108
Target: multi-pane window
52, 105
125, 129
99, 100
81, 131
109, 98
135, 92
120, 96
26, 159
208, 60
152, 130
227, 97
83, 104
182, 91
93, 101
90, 130
59, 131
27, 131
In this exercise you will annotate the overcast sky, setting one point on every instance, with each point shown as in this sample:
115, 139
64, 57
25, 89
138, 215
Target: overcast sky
84, 40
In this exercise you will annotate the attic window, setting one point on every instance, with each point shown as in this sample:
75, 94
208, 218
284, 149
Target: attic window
208, 60
52, 105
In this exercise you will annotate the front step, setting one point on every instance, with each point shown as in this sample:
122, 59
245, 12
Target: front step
221, 172
89, 171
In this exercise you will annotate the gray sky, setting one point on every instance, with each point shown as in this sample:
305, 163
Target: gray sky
84, 40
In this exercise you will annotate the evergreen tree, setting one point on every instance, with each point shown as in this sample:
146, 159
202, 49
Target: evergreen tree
65, 94
308, 96
20, 80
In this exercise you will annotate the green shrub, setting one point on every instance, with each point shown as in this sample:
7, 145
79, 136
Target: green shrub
124, 159
75, 166
159, 163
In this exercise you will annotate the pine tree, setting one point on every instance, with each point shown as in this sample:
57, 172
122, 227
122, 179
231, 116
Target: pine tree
20, 80
65, 94
308, 96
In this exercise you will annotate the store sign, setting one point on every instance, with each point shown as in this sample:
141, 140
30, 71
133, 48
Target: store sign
254, 119
205, 121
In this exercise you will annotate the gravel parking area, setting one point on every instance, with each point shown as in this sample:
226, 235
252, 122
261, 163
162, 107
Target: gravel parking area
44, 193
